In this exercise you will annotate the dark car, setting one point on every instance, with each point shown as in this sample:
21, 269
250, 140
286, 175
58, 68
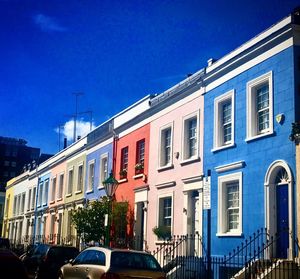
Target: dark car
4, 243
11, 266
46, 260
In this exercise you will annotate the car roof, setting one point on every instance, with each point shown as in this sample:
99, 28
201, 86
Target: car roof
111, 250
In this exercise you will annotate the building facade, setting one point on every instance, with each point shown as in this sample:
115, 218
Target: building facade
209, 158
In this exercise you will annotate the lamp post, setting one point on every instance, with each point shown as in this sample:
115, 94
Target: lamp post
110, 186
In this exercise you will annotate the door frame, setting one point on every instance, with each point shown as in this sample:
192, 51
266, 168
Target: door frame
270, 201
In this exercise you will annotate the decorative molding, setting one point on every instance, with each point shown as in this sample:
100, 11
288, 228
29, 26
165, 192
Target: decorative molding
138, 176
165, 184
122, 180
192, 179
231, 166
141, 188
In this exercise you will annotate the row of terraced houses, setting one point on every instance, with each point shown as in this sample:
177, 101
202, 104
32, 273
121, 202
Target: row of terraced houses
210, 156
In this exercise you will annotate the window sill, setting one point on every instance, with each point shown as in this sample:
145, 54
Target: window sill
123, 180
230, 234
51, 202
259, 136
59, 199
215, 149
89, 191
78, 192
137, 176
68, 195
100, 187
167, 167
190, 160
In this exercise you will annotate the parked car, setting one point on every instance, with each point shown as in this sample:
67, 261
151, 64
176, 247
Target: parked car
104, 263
46, 260
4, 243
11, 266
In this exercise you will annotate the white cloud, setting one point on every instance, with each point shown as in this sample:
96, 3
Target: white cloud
82, 128
48, 24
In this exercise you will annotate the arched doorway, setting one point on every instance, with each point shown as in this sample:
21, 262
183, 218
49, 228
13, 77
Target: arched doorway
279, 208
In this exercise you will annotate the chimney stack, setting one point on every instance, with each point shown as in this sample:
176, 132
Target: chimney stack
65, 143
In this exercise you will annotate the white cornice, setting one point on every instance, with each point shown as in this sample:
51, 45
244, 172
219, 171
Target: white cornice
250, 43
165, 184
231, 166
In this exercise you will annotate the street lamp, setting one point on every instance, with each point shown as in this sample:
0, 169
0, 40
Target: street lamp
110, 186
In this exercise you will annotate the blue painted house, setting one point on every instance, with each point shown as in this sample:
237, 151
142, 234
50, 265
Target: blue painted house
99, 160
251, 99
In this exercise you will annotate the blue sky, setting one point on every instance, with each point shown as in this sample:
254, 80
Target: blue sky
116, 52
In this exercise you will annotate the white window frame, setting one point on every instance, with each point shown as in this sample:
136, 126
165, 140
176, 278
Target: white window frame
70, 182
40, 194
218, 119
222, 204
33, 198
103, 157
46, 191
185, 137
161, 164
159, 198
23, 200
60, 186
30, 193
79, 186
53, 188
252, 130
91, 181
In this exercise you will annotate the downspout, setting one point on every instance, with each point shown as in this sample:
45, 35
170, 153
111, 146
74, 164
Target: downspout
35, 207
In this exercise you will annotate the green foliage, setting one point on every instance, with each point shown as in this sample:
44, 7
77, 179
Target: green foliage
120, 219
295, 133
89, 221
162, 232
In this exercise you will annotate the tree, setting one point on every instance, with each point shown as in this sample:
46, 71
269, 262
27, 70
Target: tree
89, 221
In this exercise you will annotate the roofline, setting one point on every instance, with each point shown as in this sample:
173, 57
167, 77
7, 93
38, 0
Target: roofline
261, 36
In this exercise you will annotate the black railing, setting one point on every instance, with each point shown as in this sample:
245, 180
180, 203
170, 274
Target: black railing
170, 253
253, 257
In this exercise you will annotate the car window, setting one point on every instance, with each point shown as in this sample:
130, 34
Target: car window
62, 253
80, 258
95, 257
41, 250
134, 261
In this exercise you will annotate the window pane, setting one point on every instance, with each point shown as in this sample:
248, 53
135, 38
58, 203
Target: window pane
262, 107
233, 205
192, 137
226, 121
167, 146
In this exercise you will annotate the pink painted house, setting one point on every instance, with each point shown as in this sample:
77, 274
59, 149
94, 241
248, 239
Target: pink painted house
175, 165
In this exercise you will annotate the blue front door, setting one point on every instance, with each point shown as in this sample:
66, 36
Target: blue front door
282, 221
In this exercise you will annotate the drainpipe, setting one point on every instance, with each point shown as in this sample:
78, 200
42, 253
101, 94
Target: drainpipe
35, 207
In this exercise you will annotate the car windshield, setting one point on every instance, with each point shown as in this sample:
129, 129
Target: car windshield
63, 253
41, 250
134, 261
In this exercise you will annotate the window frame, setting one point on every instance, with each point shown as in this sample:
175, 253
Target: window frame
60, 186
252, 121
219, 143
223, 183
160, 211
45, 192
70, 185
185, 143
79, 185
53, 188
103, 157
91, 183
162, 164
30, 193
124, 162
